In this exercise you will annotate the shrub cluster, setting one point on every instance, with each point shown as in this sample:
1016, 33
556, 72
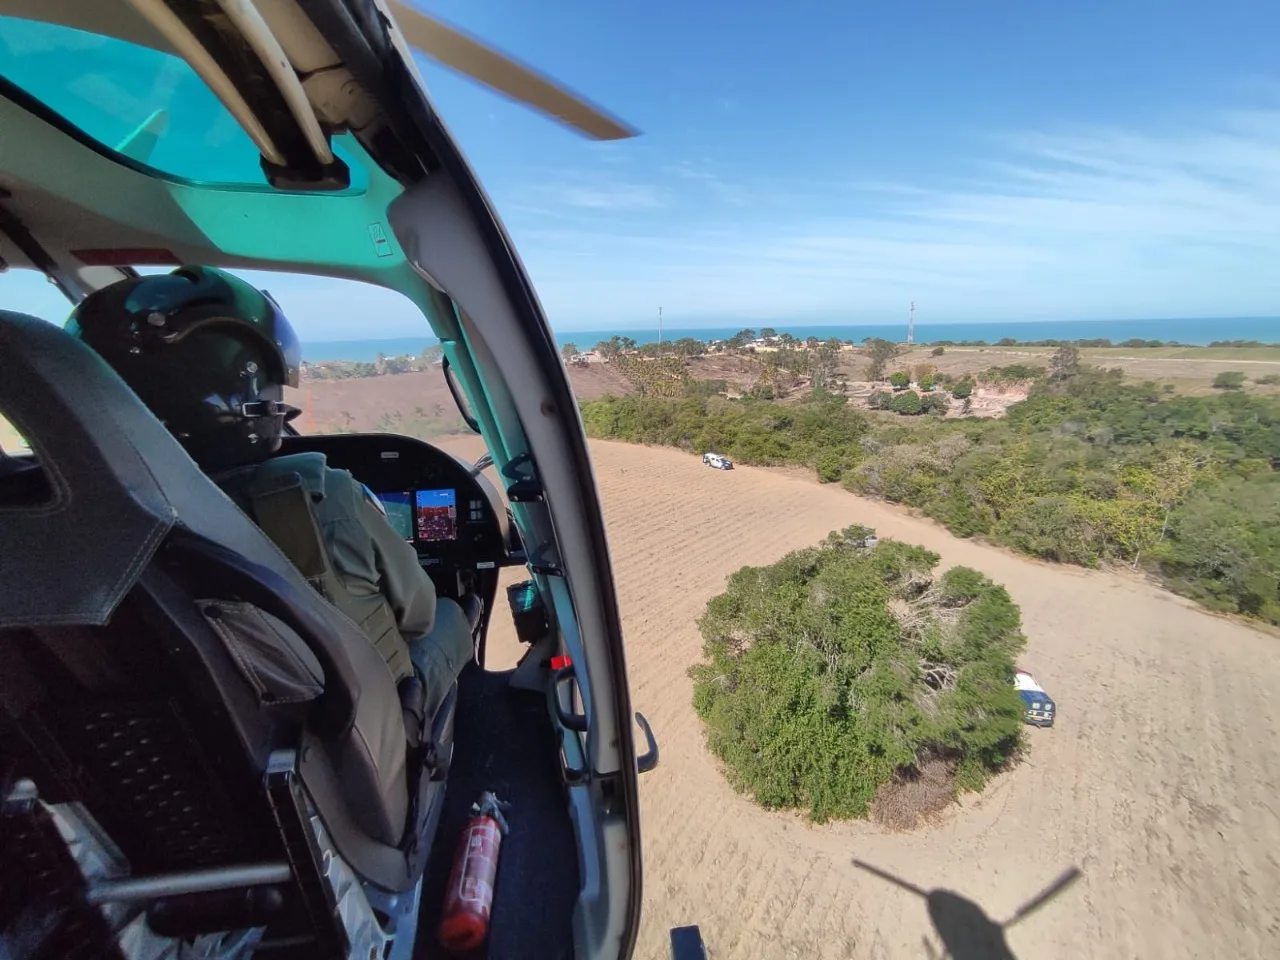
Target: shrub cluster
1088, 470
843, 671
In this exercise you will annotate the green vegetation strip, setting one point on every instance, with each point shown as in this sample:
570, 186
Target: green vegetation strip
848, 679
1088, 470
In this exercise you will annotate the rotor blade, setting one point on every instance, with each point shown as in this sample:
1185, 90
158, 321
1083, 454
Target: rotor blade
1068, 877
891, 878
499, 72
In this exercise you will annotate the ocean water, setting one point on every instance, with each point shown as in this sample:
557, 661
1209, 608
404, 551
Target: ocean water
1191, 331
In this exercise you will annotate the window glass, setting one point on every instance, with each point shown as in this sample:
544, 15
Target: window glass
370, 360
145, 105
10, 440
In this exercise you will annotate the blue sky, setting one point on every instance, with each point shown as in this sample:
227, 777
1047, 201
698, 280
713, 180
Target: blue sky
815, 162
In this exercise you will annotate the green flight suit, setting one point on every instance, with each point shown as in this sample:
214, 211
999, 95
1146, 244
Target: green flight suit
376, 579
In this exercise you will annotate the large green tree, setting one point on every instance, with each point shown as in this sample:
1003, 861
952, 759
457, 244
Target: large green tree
1065, 362
878, 352
838, 669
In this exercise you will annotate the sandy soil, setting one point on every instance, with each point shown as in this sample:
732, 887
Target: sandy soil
1159, 781
591, 381
1189, 374
421, 401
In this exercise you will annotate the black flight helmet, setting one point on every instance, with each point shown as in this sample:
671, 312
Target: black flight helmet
208, 354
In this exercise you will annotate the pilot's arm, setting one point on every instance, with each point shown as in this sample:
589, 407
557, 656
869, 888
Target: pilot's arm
406, 585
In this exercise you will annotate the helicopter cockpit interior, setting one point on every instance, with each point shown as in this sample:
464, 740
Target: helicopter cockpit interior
201, 757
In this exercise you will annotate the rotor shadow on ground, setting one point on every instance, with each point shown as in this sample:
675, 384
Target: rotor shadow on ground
965, 930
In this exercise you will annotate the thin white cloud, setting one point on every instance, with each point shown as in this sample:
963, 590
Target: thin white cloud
691, 170
702, 175
1066, 222
595, 192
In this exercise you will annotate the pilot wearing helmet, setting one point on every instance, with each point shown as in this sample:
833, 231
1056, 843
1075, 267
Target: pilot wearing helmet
210, 356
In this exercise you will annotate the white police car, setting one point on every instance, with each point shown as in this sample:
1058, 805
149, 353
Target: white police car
1040, 708
717, 460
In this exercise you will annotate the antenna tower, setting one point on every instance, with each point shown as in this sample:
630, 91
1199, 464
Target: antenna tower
911, 325
659, 326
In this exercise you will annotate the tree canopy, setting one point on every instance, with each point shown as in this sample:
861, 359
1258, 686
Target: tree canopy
879, 352
843, 670
1088, 470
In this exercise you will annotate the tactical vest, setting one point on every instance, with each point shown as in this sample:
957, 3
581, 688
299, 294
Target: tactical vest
280, 503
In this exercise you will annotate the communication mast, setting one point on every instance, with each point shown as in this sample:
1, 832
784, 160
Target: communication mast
911, 325
659, 326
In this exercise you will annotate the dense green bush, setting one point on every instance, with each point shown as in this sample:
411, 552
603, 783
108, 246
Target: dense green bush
962, 390
748, 431
899, 379
907, 403
1013, 373
839, 668
831, 465
1223, 546
1229, 380
880, 400
705, 388
1087, 470
1053, 527
934, 403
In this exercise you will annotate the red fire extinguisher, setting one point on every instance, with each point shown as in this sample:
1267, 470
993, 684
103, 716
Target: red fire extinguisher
469, 898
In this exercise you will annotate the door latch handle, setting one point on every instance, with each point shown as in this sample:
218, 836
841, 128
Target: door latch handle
570, 721
649, 759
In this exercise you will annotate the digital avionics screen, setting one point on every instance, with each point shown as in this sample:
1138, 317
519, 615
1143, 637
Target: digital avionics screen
437, 515
399, 512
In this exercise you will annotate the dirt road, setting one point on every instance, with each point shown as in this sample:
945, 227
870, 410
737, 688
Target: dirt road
1160, 781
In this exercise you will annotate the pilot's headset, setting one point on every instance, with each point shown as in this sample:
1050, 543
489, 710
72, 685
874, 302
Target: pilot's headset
208, 353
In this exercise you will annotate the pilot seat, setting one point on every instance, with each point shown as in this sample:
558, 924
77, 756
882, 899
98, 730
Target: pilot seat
196, 747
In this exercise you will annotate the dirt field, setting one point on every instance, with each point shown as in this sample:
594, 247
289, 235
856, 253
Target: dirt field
591, 381
1190, 370
1159, 781
421, 400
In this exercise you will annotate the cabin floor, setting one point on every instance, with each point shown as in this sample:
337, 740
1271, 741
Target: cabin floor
503, 742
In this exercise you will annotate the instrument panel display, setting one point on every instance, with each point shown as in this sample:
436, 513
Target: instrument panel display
436, 512
422, 516
399, 507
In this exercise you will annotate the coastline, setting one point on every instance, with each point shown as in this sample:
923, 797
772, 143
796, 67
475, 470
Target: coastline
1191, 332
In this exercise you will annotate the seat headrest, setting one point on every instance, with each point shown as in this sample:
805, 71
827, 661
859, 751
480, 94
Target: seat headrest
72, 558
118, 480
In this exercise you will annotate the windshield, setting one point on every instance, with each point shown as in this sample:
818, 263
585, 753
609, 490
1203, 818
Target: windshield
146, 106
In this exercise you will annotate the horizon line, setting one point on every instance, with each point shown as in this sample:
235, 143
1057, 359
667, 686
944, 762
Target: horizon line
782, 326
